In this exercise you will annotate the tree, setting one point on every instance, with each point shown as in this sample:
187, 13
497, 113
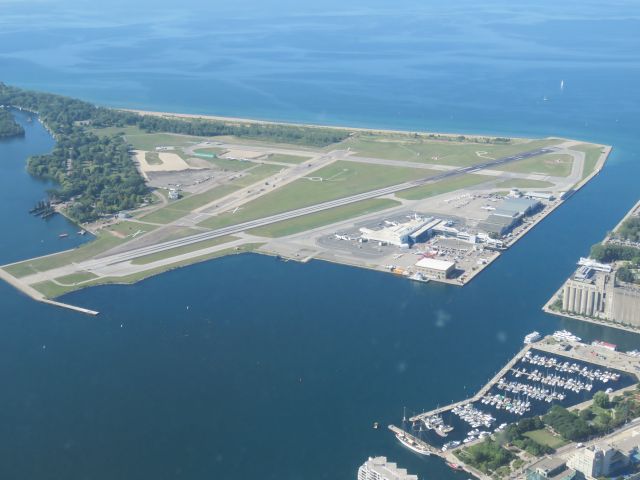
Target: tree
625, 274
601, 399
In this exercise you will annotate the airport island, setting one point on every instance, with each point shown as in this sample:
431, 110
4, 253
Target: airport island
161, 190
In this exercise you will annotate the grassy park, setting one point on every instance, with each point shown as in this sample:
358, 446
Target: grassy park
326, 217
51, 289
444, 186
282, 158
443, 152
554, 164
337, 180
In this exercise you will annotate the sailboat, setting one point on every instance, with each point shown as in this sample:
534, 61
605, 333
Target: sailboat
408, 440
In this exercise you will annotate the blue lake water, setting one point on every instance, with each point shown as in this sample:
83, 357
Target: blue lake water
278, 370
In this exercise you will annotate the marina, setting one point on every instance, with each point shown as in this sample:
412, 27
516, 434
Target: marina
558, 369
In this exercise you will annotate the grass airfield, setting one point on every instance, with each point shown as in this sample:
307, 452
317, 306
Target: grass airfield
229, 181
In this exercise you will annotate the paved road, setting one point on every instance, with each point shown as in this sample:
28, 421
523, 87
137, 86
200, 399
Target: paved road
139, 252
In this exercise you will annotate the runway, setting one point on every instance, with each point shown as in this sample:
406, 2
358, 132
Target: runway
233, 229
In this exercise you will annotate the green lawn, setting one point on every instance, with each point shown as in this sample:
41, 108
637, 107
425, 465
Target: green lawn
443, 152
103, 242
77, 277
152, 158
339, 179
52, 290
523, 183
149, 141
545, 437
326, 217
554, 164
444, 186
128, 228
592, 154
278, 157
256, 174
154, 257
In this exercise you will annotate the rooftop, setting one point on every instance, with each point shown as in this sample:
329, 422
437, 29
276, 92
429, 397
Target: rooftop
435, 264
388, 470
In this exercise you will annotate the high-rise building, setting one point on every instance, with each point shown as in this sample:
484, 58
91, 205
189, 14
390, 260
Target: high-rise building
377, 468
593, 462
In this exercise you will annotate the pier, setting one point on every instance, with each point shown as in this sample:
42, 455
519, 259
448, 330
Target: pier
566, 349
39, 297
579, 351
482, 392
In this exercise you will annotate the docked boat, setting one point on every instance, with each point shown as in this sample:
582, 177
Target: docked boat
410, 442
532, 337
436, 424
607, 345
450, 445
565, 335
455, 466
419, 277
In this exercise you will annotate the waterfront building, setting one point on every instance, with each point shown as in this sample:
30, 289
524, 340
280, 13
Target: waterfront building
521, 206
498, 224
378, 468
550, 468
399, 234
601, 461
592, 264
625, 307
584, 297
592, 292
434, 268
540, 195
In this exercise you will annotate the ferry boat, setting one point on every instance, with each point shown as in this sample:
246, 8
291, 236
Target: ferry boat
411, 444
532, 337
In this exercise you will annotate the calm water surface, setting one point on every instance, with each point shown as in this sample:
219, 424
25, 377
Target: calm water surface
248, 367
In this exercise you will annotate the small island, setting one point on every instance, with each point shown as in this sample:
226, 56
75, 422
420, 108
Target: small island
8, 125
164, 190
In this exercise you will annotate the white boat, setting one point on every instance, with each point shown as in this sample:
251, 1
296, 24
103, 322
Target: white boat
418, 277
411, 444
532, 337
565, 335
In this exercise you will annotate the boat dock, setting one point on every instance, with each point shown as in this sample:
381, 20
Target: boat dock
481, 393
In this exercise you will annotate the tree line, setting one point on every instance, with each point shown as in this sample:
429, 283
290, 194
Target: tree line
96, 175
8, 125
